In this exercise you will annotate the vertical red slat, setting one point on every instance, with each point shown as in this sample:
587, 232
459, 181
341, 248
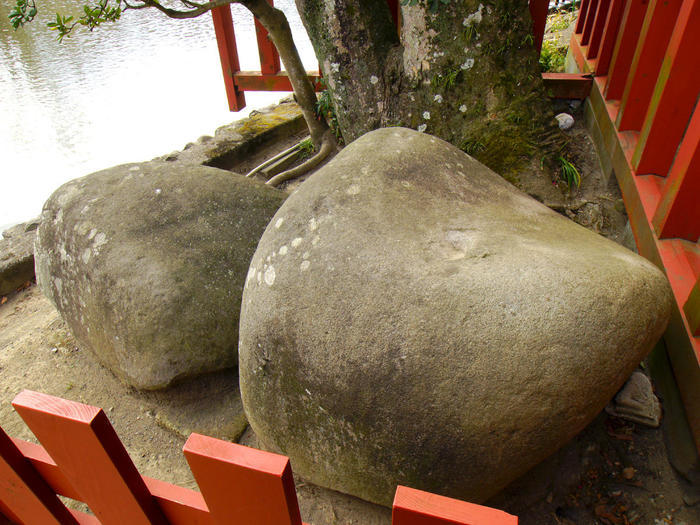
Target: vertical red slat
82, 442
24, 496
653, 41
674, 98
539, 10
582, 14
678, 213
610, 34
415, 507
691, 309
269, 57
599, 23
588, 26
241, 484
228, 54
631, 25
394, 8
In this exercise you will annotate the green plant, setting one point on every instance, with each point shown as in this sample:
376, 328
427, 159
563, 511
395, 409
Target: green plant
306, 148
445, 81
471, 147
552, 57
325, 108
569, 173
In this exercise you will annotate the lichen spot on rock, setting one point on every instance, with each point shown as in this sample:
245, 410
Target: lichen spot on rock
313, 224
283, 250
353, 189
270, 276
305, 265
296, 242
279, 222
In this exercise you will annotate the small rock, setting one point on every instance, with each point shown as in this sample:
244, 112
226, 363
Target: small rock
636, 402
565, 121
575, 104
628, 472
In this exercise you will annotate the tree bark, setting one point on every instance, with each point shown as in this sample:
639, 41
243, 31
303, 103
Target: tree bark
468, 74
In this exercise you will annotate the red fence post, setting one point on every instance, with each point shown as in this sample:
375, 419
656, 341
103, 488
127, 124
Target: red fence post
678, 212
590, 19
415, 507
24, 496
631, 25
241, 484
82, 442
582, 14
610, 34
674, 98
228, 53
653, 41
269, 57
601, 19
539, 10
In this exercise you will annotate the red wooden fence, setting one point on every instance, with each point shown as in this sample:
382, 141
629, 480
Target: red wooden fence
82, 458
644, 103
271, 78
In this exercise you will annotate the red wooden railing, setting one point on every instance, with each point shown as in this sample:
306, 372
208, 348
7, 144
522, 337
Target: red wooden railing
644, 56
271, 78
82, 458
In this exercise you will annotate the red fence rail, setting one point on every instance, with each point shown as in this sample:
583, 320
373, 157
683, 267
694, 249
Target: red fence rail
272, 78
82, 458
644, 102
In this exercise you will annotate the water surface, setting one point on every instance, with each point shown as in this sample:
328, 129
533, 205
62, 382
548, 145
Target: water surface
126, 92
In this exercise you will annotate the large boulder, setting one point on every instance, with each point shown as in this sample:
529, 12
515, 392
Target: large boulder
146, 263
411, 318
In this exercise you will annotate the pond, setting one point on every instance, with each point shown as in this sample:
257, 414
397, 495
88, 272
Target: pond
126, 92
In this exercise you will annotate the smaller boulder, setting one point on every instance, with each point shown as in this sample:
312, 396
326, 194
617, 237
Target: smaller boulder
146, 264
17, 256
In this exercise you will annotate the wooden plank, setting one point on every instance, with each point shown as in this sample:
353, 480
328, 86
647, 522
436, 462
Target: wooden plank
254, 81
24, 496
678, 213
415, 507
599, 23
228, 54
692, 309
82, 442
648, 56
610, 36
567, 85
241, 484
269, 57
623, 53
674, 97
539, 9
582, 15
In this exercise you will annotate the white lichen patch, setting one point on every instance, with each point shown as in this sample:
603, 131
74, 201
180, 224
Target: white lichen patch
283, 250
86, 255
475, 18
468, 64
426, 115
438, 98
313, 224
278, 222
304, 265
134, 168
335, 67
305, 255
422, 128
158, 191
353, 189
405, 184
373, 80
463, 108
270, 276
296, 242
315, 240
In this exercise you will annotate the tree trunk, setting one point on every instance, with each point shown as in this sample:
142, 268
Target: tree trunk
468, 74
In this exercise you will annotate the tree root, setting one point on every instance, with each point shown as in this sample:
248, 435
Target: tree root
328, 144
